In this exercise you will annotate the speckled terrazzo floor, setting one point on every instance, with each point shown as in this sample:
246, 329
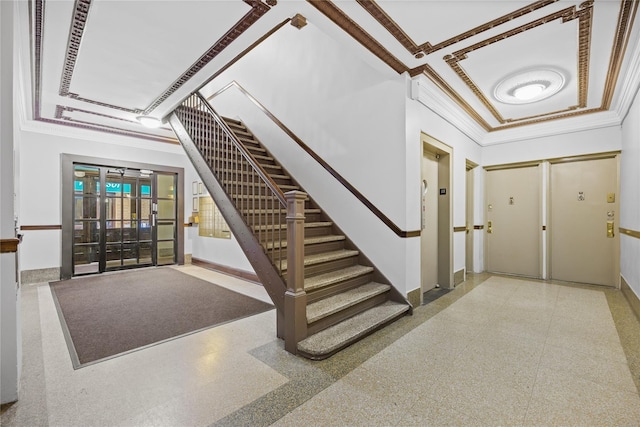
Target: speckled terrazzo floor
495, 351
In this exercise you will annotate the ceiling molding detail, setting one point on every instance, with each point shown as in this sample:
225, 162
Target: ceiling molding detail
584, 16
426, 48
258, 9
339, 18
81, 10
625, 23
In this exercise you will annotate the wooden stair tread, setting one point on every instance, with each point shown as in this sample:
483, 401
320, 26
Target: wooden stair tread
324, 257
333, 339
284, 226
282, 211
331, 278
336, 303
282, 186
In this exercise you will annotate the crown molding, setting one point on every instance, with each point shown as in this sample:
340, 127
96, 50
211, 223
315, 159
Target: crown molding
631, 84
428, 94
587, 122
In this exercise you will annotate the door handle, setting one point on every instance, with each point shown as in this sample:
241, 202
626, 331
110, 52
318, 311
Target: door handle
489, 227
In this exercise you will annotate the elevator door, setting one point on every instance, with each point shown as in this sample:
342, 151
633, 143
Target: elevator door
513, 221
429, 218
123, 218
583, 206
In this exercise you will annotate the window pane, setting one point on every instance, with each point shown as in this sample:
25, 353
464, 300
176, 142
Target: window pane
114, 208
86, 180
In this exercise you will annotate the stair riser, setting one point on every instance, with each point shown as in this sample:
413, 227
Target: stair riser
326, 267
323, 247
267, 218
337, 288
338, 317
252, 189
308, 232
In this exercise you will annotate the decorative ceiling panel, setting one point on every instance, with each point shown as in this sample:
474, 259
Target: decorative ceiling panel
98, 64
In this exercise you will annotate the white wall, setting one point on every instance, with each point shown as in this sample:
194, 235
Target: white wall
10, 324
351, 114
630, 197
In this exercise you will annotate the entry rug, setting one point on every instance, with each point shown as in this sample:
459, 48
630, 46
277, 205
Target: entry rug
112, 314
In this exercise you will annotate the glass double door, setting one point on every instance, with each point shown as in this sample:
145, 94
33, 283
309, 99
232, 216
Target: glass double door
123, 218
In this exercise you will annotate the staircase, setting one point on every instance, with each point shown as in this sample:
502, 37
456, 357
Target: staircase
341, 297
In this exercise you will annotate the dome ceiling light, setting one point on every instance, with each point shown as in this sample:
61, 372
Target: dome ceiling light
529, 86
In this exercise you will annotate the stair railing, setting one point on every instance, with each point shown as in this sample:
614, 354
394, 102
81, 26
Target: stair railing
260, 202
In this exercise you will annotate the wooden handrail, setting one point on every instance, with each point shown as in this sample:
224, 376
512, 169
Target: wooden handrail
9, 245
377, 212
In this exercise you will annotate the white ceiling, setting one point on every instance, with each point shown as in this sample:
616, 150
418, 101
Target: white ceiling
99, 64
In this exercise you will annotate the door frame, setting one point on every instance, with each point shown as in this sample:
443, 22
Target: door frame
67, 162
470, 208
445, 208
541, 203
616, 256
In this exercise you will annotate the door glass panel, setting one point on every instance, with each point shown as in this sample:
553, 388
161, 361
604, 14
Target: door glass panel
114, 231
114, 255
129, 254
130, 231
165, 253
166, 209
86, 258
86, 180
166, 186
165, 231
145, 253
86, 207
86, 232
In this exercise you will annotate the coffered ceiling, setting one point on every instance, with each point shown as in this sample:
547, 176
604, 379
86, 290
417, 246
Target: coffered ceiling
100, 64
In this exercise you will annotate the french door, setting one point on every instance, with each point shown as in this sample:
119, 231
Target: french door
123, 218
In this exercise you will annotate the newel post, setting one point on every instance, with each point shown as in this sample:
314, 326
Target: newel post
295, 298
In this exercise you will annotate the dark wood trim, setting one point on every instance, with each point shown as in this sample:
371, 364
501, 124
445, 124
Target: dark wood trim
478, 227
224, 269
629, 232
459, 228
40, 227
377, 212
9, 245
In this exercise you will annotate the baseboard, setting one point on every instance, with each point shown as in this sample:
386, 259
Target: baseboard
458, 277
415, 297
240, 274
632, 298
39, 275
